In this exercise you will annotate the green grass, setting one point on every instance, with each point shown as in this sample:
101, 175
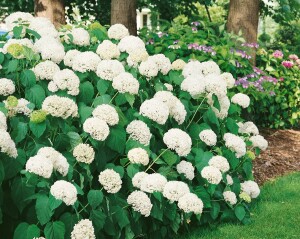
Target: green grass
276, 216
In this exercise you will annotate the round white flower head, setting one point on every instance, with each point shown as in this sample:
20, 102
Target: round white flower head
248, 128
211, 174
109, 69
236, 144
190, 203
251, 188
229, 179
84, 153
194, 85
129, 44
259, 142
174, 190
15, 18
117, 31
97, 128
139, 131
228, 78
224, 106
186, 168
148, 68
3, 124
7, 145
241, 100
230, 197
208, 137
81, 37
154, 182
210, 67
69, 57
83, 230
21, 108
43, 26
110, 180
45, 70
7, 87
60, 106
85, 61
178, 140
65, 80
137, 179
176, 108
59, 162
138, 156
65, 191
140, 202
39, 165
168, 86
163, 63
108, 50
220, 163
192, 68
215, 85
137, 56
126, 83
107, 113
178, 65
155, 110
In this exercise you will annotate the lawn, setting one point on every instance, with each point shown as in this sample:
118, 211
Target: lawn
276, 216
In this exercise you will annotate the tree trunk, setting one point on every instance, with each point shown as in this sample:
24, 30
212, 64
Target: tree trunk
52, 9
243, 16
124, 12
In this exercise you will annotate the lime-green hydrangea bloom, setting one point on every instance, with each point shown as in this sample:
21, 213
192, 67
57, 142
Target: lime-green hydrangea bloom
16, 50
245, 197
38, 116
12, 101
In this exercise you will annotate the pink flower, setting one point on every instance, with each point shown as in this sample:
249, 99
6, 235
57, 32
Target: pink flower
281, 79
298, 62
277, 54
287, 64
293, 57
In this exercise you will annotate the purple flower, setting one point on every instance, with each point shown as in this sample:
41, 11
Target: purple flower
150, 41
277, 54
194, 29
195, 23
272, 93
251, 45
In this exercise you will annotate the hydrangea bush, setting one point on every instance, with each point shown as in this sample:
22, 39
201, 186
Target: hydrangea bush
99, 139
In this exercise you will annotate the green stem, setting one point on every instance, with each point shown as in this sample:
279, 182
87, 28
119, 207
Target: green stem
113, 97
195, 113
156, 159
83, 208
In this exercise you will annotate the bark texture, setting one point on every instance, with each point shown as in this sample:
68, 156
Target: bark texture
52, 9
243, 16
124, 12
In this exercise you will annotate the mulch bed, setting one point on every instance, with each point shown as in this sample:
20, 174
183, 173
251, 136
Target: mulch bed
281, 157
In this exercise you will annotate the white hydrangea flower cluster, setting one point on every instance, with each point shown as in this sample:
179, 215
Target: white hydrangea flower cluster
137, 56
251, 188
174, 190
155, 110
117, 32
208, 136
236, 144
45, 70
20, 108
220, 163
69, 57
194, 85
241, 100
81, 37
43, 26
85, 61
65, 191
137, 179
192, 68
108, 50
13, 42
130, 44
126, 83
7, 145
154, 182
65, 80
58, 106
163, 63
215, 85
228, 78
211, 174
178, 65
7, 87
97, 128
229, 180
148, 68
187, 169
14, 19
109, 69
178, 140
230, 197
139, 131
190, 203
106, 113
224, 106
259, 142
168, 86
110, 180
140, 202
84, 153
83, 230
138, 156
209, 67
3, 124
39, 165
248, 128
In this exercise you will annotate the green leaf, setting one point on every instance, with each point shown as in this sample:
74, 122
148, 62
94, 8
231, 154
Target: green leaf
132, 169
28, 78
26, 231
130, 99
103, 99
210, 118
102, 86
17, 31
2, 172
232, 126
36, 95
13, 167
38, 129
61, 142
69, 220
98, 218
202, 159
55, 230
215, 210
75, 139
34, 33
240, 212
120, 216
20, 132
117, 139
170, 158
86, 94
43, 211
95, 198
12, 66
216, 102
84, 112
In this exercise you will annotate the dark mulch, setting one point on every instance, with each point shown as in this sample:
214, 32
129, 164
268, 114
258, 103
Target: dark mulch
281, 157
